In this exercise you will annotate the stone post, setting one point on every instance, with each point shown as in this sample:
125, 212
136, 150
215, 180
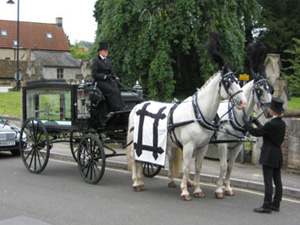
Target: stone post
280, 85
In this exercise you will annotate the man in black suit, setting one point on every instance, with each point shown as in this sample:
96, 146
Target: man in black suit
103, 74
273, 133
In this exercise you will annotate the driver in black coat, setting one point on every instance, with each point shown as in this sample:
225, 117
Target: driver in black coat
273, 133
103, 74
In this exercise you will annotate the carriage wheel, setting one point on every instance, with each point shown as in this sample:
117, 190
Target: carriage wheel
151, 170
75, 138
35, 154
91, 159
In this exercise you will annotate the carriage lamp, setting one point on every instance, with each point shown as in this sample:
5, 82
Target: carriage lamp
18, 74
138, 88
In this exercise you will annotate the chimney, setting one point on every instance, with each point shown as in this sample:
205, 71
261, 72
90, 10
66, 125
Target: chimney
59, 21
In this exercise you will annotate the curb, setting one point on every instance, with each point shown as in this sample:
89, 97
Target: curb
206, 178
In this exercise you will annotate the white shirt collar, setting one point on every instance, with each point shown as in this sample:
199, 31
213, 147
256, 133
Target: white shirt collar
102, 57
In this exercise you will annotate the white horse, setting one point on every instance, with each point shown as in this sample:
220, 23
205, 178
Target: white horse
191, 121
257, 92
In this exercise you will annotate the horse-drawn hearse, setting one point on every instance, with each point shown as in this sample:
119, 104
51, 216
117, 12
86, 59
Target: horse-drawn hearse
56, 111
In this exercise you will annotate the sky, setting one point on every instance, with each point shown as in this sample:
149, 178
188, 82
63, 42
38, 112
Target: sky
78, 21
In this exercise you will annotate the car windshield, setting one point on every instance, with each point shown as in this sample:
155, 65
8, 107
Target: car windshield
1, 121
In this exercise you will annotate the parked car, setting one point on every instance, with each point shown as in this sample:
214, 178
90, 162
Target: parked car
10, 137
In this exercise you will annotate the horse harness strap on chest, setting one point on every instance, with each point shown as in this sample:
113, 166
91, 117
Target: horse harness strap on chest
232, 119
200, 118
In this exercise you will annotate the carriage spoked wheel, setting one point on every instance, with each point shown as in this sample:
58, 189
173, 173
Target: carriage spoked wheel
35, 154
75, 138
151, 170
91, 158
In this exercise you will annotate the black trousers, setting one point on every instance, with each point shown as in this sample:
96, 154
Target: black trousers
112, 95
270, 175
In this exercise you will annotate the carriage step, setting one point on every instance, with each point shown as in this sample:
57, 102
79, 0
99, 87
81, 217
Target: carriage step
109, 115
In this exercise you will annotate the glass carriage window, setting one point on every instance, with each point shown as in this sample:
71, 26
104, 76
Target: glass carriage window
49, 104
60, 73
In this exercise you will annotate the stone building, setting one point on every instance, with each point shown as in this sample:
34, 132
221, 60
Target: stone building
44, 52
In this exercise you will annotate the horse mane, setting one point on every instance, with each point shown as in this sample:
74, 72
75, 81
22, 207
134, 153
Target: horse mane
207, 82
256, 54
214, 49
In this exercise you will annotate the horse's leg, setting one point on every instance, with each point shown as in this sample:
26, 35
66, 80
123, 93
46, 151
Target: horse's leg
234, 153
171, 156
137, 174
222, 149
187, 159
137, 177
199, 156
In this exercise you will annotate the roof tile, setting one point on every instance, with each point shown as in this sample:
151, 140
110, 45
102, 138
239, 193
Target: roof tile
33, 36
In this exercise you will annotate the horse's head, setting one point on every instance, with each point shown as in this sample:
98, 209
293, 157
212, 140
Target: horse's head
229, 88
262, 93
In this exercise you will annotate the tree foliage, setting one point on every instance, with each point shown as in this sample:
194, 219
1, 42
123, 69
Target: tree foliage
279, 23
294, 68
161, 42
79, 52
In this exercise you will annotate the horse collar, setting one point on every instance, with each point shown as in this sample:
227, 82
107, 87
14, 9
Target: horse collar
200, 118
232, 118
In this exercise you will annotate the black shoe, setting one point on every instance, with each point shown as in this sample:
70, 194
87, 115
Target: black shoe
275, 208
262, 210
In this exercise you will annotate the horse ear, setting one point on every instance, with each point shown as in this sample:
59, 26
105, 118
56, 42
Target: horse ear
254, 75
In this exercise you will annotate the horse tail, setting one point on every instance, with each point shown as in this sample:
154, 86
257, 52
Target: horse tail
177, 162
129, 142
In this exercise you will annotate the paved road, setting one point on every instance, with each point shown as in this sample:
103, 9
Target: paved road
60, 196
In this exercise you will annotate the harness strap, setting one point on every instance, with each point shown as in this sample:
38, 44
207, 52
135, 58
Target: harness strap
200, 118
232, 119
172, 126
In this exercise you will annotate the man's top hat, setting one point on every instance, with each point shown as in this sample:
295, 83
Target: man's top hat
103, 46
276, 105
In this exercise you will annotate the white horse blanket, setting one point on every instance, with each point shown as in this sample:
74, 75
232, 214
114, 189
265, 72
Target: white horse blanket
150, 132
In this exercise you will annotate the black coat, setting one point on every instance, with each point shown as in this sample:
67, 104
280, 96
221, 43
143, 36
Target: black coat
273, 133
102, 69
102, 72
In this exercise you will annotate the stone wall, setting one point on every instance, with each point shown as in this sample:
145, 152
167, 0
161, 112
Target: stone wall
291, 145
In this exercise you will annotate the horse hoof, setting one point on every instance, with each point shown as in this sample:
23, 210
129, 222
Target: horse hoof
229, 193
199, 195
219, 195
185, 198
172, 184
190, 184
140, 188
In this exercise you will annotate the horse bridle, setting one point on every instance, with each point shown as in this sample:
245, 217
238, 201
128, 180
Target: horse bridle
257, 90
226, 80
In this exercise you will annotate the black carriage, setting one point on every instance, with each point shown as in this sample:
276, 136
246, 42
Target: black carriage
56, 111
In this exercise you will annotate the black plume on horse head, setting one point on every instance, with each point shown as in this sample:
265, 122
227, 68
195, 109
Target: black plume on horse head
214, 49
257, 53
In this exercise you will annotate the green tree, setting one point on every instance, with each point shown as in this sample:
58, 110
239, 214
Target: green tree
79, 52
161, 42
294, 69
278, 24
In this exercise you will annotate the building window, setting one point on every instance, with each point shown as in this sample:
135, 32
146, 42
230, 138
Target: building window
15, 43
3, 33
60, 73
49, 36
